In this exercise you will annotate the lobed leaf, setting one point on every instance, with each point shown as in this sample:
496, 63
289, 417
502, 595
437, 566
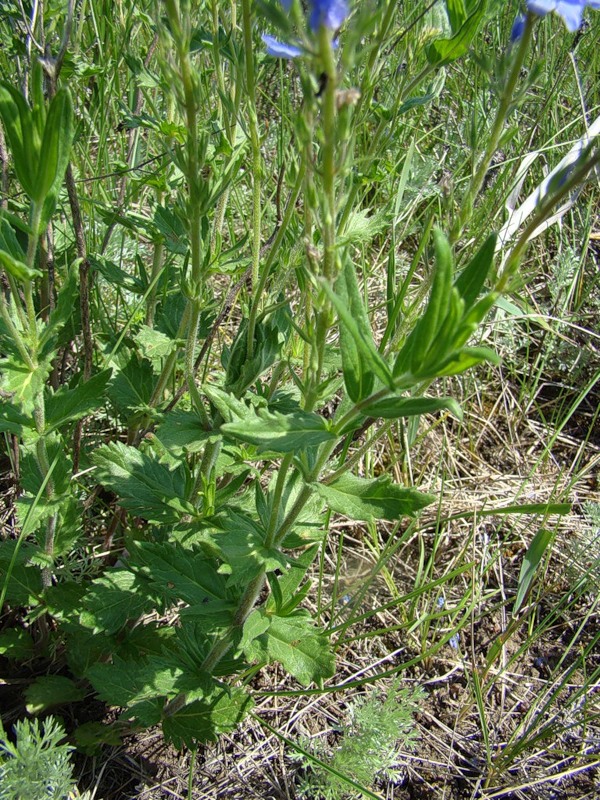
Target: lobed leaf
293, 641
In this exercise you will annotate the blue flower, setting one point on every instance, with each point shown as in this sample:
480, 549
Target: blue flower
330, 13
280, 49
570, 10
517, 29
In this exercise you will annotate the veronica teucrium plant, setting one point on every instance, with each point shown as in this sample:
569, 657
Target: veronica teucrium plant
252, 324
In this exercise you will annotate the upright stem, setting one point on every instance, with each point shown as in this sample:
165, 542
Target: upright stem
497, 128
180, 30
256, 162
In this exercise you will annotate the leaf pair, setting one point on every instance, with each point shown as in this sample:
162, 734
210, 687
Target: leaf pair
40, 142
435, 346
465, 17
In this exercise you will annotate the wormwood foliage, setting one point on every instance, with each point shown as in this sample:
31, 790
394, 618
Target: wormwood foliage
37, 765
375, 732
189, 372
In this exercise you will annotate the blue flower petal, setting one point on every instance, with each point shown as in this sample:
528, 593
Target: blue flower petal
570, 10
280, 49
330, 13
517, 29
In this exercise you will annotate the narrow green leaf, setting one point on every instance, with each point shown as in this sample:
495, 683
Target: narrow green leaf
51, 690
427, 329
397, 407
56, 149
371, 358
471, 280
66, 310
291, 579
443, 51
358, 375
17, 268
533, 557
18, 125
368, 499
465, 359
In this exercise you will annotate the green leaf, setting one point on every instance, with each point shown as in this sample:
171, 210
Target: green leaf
144, 486
153, 344
116, 276
17, 268
443, 51
51, 690
359, 378
471, 280
257, 623
204, 720
371, 359
67, 405
241, 542
184, 432
124, 683
533, 557
396, 407
280, 433
66, 310
114, 599
13, 421
465, 359
181, 573
297, 644
457, 13
55, 150
92, 736
22, 383
172, 229
426, 332
290, 580
18, 126
368, 499
270, 334
226, 403
16, 643
132, 386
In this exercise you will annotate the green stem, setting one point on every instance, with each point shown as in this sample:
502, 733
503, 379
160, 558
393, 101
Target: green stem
500, 119
256, 161
329, 148
286, 463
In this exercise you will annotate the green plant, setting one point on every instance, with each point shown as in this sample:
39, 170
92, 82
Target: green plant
203, 370
37, 765
375, 732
